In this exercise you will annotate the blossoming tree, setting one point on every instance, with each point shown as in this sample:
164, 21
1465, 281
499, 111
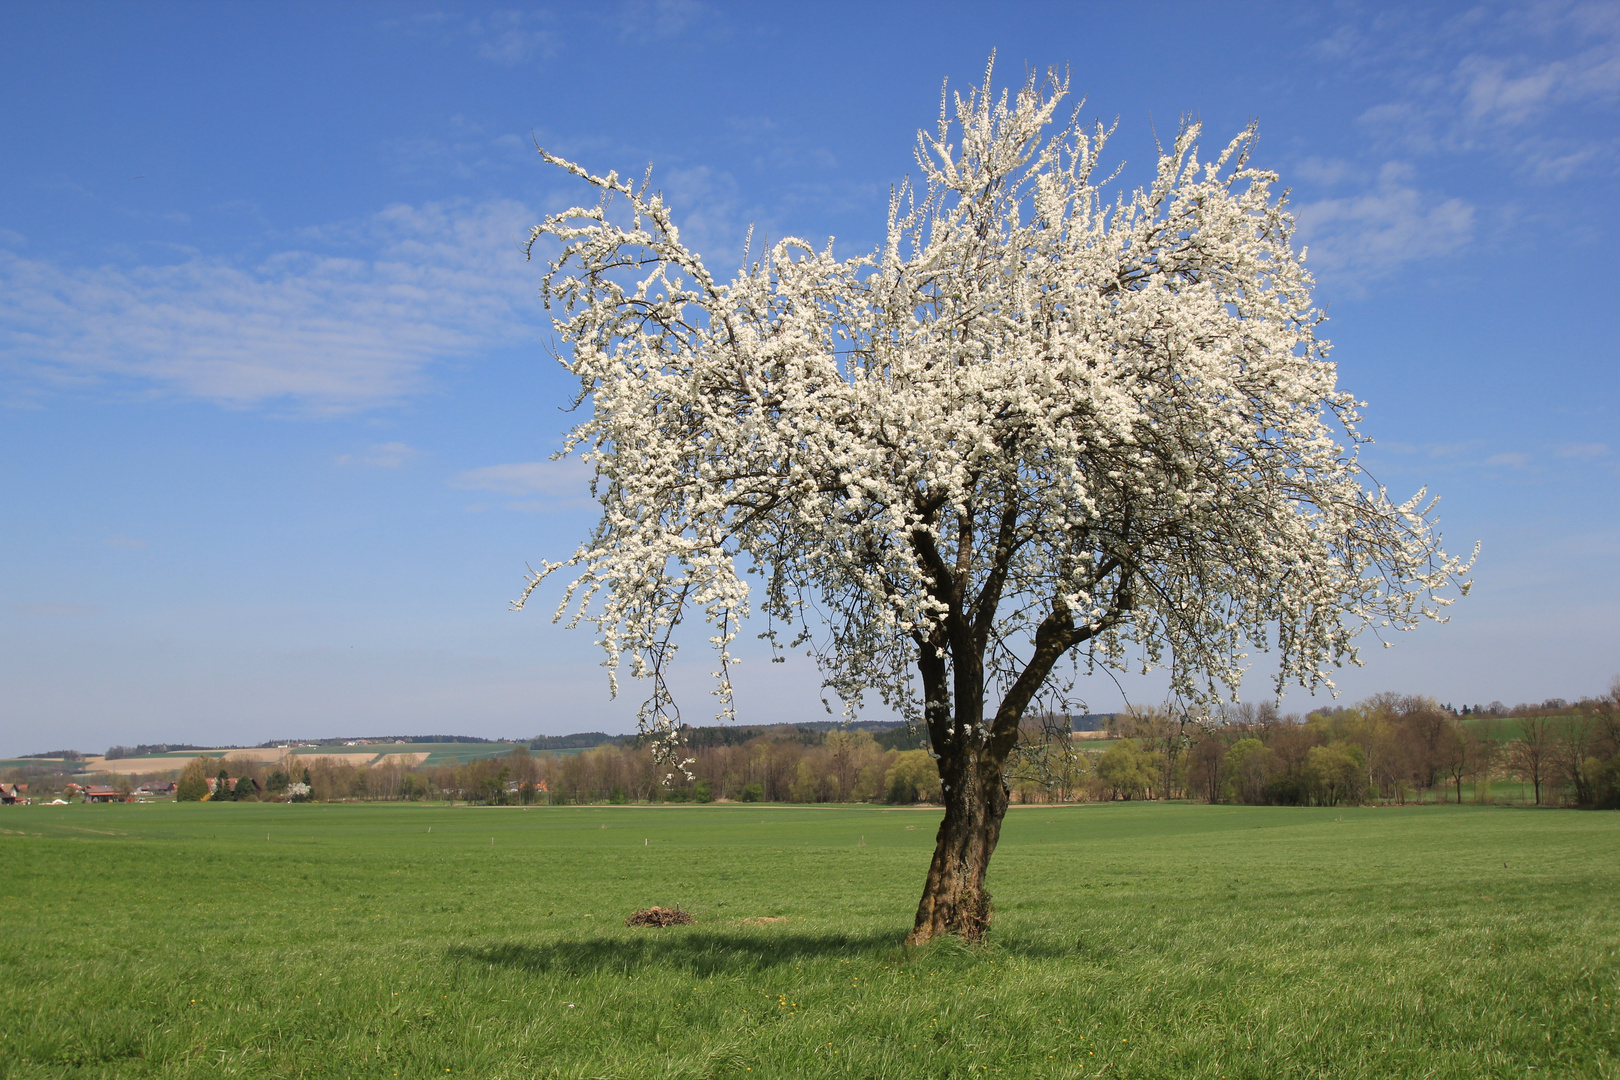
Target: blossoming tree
1040, 427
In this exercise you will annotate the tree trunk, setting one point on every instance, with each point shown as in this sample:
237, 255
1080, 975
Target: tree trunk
970, 759
954, 899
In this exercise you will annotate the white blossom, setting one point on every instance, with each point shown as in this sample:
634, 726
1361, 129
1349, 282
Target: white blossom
1040, 420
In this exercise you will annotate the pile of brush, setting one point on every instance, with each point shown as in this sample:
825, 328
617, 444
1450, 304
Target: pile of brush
659, 916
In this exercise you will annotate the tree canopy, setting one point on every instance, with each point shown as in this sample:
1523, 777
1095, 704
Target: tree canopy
1040, 423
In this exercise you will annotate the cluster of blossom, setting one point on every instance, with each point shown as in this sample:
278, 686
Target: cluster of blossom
1036, 418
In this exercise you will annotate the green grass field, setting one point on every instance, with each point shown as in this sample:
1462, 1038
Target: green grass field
1131, 940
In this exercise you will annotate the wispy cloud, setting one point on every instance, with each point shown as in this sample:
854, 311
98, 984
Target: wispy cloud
706, 203
708, 207
1532, 84
507, 36
1453, 451
349, 318
514, 37
1474, 454
380, 456
658, 20
461, 148
569, 478
1525, 89
1326, 172
1585, 451
1459, 457
1516, 90
124, 543
1377, 230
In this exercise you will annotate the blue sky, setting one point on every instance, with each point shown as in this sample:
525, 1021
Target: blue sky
275, 401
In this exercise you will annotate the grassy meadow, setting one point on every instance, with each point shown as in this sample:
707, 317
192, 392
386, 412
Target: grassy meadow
1131, 940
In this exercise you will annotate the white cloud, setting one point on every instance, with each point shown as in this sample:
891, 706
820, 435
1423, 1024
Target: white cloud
1585, 451
1452, 449
1533, 84
506, 36
349, 319
380, 456
458, 154
1518, 90
1329, 172
652, 20
1375, 232
512, 37
707, 206
569, 478
1512, 460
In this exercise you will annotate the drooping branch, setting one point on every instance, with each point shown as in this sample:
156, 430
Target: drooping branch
1037, 415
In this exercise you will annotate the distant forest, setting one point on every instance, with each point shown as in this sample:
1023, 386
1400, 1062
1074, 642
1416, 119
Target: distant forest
728, 735
1388, 749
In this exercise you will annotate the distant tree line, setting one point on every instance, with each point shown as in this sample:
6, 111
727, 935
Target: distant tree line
115, 753
1389, 748
780, 764
583, 740
344, 740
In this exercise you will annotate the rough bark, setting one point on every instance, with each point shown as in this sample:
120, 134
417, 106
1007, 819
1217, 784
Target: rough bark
971, 757
954, 899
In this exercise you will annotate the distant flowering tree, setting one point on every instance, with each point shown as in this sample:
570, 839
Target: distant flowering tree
1038, 425
193, 783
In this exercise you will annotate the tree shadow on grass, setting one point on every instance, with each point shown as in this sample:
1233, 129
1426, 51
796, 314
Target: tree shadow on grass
701, 953
708, 953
